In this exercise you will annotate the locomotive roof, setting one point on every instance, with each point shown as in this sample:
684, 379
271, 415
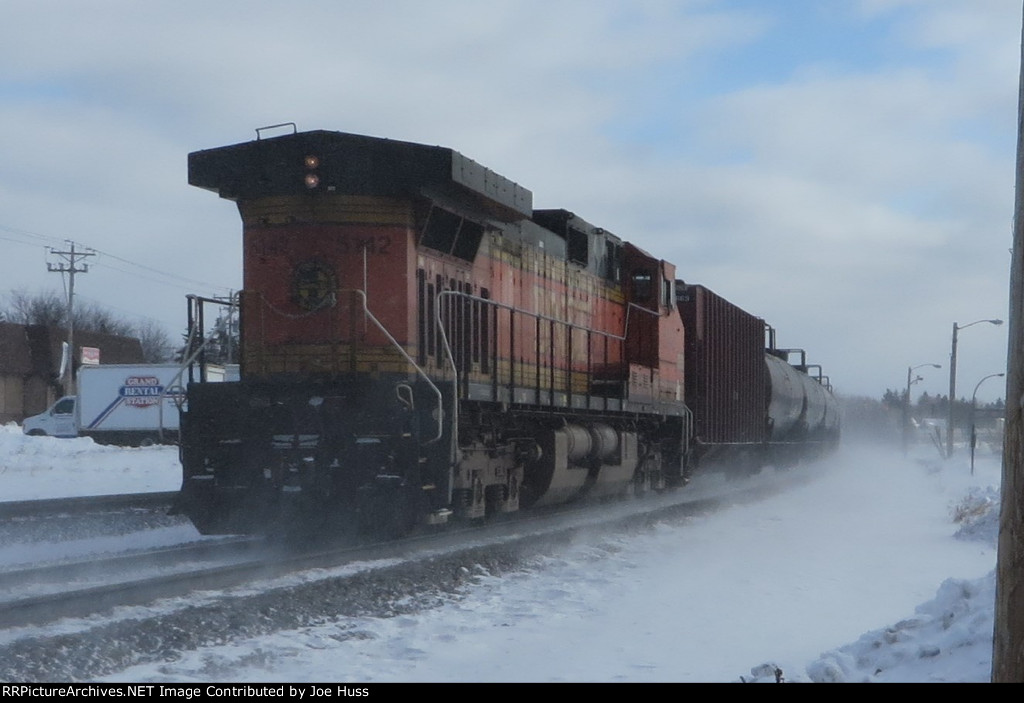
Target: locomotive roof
352, 164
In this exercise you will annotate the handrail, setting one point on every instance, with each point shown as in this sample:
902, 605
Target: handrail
412, 362
295, 128
514, 309
186, 362
546, 318
330, 301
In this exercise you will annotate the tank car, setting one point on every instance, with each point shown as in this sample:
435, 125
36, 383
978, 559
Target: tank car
419, 344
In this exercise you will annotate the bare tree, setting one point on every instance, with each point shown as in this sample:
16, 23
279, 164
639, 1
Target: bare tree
157, 347
94, 318
46, 308
50, 308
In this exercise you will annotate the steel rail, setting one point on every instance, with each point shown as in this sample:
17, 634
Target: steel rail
85, 504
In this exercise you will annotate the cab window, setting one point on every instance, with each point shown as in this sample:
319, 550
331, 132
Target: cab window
643, 286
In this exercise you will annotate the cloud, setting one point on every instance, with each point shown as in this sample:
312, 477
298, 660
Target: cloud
848, 176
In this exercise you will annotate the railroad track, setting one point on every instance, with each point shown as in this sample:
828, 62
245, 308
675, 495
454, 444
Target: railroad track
136, 579
85, 504
221, 564
42, 593
98, 568
284, 591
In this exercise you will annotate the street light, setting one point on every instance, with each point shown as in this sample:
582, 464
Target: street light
974, 401
906, 400
952, 381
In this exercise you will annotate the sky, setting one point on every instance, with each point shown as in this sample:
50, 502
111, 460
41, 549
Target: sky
843, 169
858, 571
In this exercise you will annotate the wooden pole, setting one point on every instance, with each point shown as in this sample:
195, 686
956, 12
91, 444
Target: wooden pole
1008, 635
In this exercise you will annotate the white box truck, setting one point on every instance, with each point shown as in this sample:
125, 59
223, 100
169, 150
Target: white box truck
128, 404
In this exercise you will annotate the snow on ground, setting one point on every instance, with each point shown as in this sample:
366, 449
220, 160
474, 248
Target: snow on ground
32, 468
868, 553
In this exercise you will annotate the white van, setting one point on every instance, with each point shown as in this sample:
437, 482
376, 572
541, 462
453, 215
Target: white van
57, 421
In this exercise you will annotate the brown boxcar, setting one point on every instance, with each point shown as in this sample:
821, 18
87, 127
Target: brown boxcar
726, 384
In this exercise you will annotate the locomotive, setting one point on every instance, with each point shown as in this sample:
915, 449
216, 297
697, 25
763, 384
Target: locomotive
419, 345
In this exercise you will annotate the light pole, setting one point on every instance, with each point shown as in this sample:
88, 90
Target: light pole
952, 381
906, 401
974, 401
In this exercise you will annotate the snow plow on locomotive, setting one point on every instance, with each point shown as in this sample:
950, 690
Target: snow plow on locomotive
418, 344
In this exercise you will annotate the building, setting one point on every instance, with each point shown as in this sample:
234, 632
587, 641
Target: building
30, 357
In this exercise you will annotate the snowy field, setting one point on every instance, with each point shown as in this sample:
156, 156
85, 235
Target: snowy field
861, 574
33, 468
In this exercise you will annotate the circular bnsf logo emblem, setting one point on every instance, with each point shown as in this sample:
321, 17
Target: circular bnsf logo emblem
313, 285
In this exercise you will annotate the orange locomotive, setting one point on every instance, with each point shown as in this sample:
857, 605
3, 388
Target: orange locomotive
419, 344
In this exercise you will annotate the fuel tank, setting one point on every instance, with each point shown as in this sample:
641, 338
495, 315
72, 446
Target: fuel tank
593, 460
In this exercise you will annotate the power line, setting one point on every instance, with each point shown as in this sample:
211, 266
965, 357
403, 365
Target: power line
127, 313
173, 279
19, 236
30, 235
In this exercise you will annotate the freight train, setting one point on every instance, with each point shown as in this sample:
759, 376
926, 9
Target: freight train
419, 345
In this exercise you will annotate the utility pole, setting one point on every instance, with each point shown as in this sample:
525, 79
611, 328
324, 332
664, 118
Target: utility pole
1008, 635
952, 395
69, 265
